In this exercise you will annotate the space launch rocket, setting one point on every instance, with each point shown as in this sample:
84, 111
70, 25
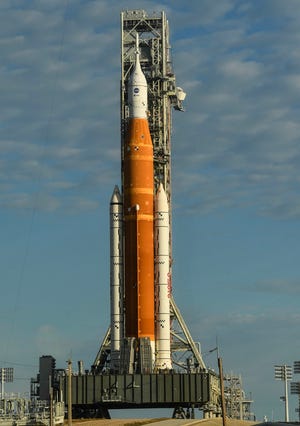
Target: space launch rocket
139, 238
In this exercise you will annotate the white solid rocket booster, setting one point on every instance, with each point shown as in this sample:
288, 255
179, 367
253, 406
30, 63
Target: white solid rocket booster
162, 281
116, 277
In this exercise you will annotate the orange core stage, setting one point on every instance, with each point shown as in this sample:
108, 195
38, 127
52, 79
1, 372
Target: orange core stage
138, 222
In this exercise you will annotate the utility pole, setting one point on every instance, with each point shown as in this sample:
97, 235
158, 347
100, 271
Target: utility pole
223, 406
69, 392
51, 400
220, 366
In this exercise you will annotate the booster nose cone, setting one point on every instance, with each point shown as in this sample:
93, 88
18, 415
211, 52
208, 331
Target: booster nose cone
116, 196
137, 89
161, 199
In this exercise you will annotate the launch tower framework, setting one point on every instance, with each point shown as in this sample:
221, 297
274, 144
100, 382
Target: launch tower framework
163, 95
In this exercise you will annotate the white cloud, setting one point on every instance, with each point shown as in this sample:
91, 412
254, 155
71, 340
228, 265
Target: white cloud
50, 341
293, 81
243, 70
30, 201
60, 100
278, 286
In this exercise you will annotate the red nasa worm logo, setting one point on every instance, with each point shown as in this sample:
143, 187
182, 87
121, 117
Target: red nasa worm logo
169, 282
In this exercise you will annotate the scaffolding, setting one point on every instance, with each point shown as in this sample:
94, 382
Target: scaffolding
238, 406
153, 31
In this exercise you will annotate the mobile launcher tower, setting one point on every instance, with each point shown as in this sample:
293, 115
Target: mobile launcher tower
140, 338
147, 357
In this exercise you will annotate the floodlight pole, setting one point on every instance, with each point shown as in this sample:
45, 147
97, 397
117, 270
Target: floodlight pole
284, 373
295, 387
286, 397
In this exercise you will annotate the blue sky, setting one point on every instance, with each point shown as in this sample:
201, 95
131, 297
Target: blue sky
235, 169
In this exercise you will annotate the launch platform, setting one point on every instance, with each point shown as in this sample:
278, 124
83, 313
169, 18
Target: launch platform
97, 394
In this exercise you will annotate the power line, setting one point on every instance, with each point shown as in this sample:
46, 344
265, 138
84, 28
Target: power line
18, 364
